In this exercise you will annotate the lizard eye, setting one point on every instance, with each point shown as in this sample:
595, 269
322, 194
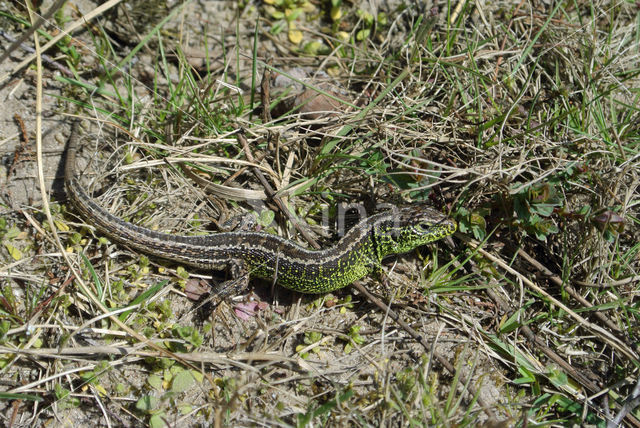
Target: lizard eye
424, 226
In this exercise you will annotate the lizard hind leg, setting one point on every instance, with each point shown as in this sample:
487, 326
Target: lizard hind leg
238, 283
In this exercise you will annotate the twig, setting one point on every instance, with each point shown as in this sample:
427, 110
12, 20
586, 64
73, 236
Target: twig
265, 92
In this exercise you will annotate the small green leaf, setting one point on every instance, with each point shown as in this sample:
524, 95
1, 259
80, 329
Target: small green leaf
527, 376
75, 238
155, 382
277, 14
182, 273
157, 421
266, 217
511, 323
314, 48
545, 210
336, 13
147, 403
584, 210
521, 208
557, 377
182, 381
362, 34
197, 376
61, 225
277, 27
13, 251
292, 14
4, 327
12, 233
185, 409
312, 337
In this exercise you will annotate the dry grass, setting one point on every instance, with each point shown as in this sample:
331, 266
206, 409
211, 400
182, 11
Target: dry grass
522, 124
